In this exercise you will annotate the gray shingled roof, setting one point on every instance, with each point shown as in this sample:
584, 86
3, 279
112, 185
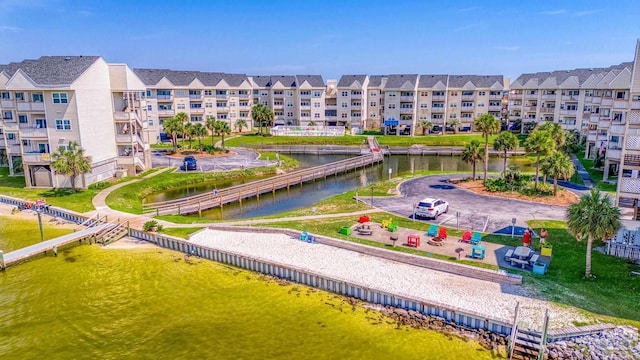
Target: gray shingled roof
313, 80
480, 81
150, 76
262, 80
184, 78
395, 81
347, 80
285, 80
429, 81
53, 70
582, 74
375, 80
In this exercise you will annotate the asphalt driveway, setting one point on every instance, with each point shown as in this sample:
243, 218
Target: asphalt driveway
467, 210
237, 159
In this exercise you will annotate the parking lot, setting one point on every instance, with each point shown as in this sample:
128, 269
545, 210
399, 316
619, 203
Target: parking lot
467, 210
236, 159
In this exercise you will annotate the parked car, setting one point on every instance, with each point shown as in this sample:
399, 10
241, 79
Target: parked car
189, 163
431, 208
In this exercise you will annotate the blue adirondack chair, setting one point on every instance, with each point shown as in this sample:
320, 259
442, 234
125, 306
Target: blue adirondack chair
433, 230
476, 238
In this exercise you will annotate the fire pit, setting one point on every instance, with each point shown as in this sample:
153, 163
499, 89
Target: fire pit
436, 241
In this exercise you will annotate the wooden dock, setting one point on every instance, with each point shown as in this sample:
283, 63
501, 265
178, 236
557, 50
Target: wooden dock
50, 245
217, 198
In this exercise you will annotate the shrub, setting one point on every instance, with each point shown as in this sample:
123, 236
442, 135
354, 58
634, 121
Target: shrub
150, 225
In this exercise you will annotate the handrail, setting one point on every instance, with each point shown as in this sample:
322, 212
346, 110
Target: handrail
115, 231
263, 185
514, 331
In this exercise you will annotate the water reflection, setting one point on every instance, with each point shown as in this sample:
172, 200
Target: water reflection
309, 193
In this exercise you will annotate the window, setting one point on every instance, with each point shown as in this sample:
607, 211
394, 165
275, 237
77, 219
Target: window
424, 106
481, 104
148, 93
63, 124
305, 103
454, 94
41, 123
373, 103
392, 106
344, 105
165, 106
232, 115
20, 96
149, 107
244, 103
150, 122
208, 105
243, 92
345, 93
5, 95
164, 93
467, 93
438, 93
289, 93
344, 116
436, 116
256, 92
424, 93
181, 93
305, 114
481, 93
317, 93
59, 98
195, 105
7, 115
11, 136
316, 115
619, 95
194, 92
37, 97
221, 104
195, 118
289, 104
22, 119
232, 103
289, 114
392, 94
467, 104
244, 114
305, 93
180, 106
453, 105
208, 93
316, 104
222, 116
373, 94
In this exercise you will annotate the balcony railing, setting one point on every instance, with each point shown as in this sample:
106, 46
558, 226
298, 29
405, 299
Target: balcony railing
437, 110
495, 97
569, 112
547, 110
166, 112
602, 137
617, 129
531, 96
32, 132
221, 96
438, 98
164, 97
222, 109
591, 137
494, 108
607, 101
635, 105
195, 97
614, 153
36, 157
196, 110
548, 97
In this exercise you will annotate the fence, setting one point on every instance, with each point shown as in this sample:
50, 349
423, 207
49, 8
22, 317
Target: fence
48, 209
464, 318
307, 131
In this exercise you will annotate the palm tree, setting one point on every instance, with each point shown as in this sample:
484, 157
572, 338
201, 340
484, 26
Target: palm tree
426, 125
71, 161
222, 128
487, 124
184, 119
557, 165
211, 125
241, 123
593, 217
258, 115
312, 123
199, 131
471, 154
506, 141
268, 116
454, 123
539, 142
173, 127
189, 132
558, 135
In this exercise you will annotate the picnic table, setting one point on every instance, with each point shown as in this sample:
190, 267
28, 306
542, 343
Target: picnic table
522, 252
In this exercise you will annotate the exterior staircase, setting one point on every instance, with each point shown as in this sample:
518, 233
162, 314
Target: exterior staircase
116, 233
528, 344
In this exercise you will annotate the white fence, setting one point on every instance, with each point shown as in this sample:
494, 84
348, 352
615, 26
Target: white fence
307, 131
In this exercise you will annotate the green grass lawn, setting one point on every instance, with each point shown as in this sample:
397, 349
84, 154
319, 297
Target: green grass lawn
596, 175
252, 140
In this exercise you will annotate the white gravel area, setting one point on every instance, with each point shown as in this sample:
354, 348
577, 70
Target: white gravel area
491, 299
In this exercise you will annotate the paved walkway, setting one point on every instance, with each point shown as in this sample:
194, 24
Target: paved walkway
586, 178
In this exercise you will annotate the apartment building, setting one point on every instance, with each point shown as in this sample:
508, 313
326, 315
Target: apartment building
351, 101
594, 102
54, 100
628, 144
200, 95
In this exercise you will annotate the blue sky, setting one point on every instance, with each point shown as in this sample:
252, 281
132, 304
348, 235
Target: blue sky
330, 39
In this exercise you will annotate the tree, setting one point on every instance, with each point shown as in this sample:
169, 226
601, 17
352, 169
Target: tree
426, 125
189, 132
72, 162
593, 217
241, 123
471, 154
558, 134
312, 123
506, 141
184, 119
222, 129
211, 125
454, 123
173, 127
539, 142
259, 115
199, 131
557, 165
487, 125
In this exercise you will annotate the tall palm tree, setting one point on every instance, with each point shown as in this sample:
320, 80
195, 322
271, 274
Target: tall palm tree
173, 127
426, 125
557, 165
471, 154
506, 141
268, 116
558, 134
222, 129
241, 123
539, 142
487, 125
199, 131
593, 217
71, 161
258, 115
211, 126
184, 119
454, 123
189, 132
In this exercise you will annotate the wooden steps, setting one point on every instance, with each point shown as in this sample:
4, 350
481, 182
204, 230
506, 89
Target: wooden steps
527, 345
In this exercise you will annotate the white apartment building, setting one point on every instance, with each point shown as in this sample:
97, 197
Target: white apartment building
54, 100
594, 102
351, 102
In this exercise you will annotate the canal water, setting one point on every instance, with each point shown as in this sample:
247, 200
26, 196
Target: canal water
91, 302
310, 193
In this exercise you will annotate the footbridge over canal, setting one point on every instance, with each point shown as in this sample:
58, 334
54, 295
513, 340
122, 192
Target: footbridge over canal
217, 198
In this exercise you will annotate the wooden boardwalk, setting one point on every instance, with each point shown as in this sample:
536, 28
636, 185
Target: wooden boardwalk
573, 331
197, 203
42, 247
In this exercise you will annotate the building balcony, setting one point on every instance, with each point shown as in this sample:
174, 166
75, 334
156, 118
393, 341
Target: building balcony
221, 96
620, 104
604, 124
36, 157
244, 96
516, 96
547, 110
33, 106
195, 97
530, 108
164, 98
596, 100
244, 107
592, 136
356, 96
220, 109
570, 97
331, 107
7, 104
602, 137
406, 111
614, 153
407, 98
569, 112
495, 108
331, 118
438, 98
467, 97
196, 111
278, 107
495, 97
166, 112
531, 96
635, 105
304, 96
32, 132
616, 129
437, 110
306, 107
548, 96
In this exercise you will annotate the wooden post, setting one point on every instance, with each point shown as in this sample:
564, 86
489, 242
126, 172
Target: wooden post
273, 188
179, 209
2, 264
157, 211
199, 209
